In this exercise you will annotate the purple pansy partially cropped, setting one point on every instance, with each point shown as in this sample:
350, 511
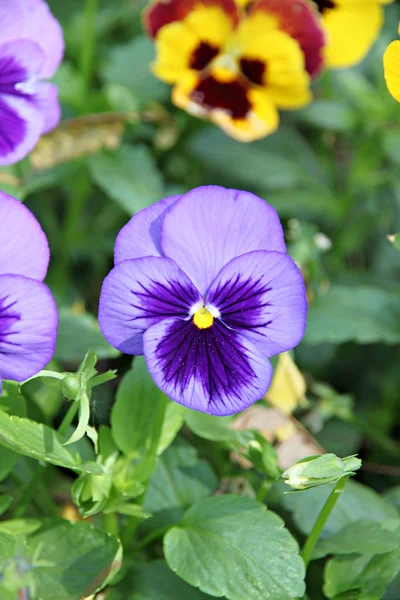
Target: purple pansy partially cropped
31, 49
203, 287
28, 314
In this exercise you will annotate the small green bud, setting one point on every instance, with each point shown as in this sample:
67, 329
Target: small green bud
71, 386
320, 470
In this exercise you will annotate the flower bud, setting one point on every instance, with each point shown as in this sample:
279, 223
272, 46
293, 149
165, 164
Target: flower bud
71, 386
320, 470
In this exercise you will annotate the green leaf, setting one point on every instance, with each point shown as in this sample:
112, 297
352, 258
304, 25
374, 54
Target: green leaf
38, 441
132, 416
129, 176
140, 52
173, 421
216, 429
70, 561
84, 416
247, 164
180, 480
13, 403
7, 547
19, 527
329, 114
364, 314
355, 503
370, 574
234, 547
362, 537
77, 333
5, 502
153, 581
392, 495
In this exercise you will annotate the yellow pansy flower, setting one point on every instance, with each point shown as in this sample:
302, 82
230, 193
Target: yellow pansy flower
351, 26
391, 65
237, 68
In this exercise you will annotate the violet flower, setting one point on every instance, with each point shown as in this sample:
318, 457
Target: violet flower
31, 49
28, 314
203, 288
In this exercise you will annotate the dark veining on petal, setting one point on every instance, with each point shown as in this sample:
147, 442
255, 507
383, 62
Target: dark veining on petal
202, 56
12, 129
215, 357
242, 302
253, 69
8, 319
159, 301
229, 96
325, 5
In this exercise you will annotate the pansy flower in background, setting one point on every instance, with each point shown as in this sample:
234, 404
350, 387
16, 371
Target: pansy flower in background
351, 26
31, 49
28, 314
237, 65
203, 287
391, 65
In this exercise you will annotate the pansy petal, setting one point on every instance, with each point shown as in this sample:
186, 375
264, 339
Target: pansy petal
214, 370
299, 19
24, 248
391, 63
20, 60
162, 12
138, 293
33, 20
21, 124
28, 326
352, 28
141, 235
210, 225
46, 100
262, 295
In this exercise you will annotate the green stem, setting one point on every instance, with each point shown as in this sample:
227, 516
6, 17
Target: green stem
110, 523
263, 490
88, 48
68, 418
321, 520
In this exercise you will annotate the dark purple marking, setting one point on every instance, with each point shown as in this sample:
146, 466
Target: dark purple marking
8, 318
243, 304
11, 73
253, 69
230, 96
160, 302
324, 5
214, 356
203, 55
12, 129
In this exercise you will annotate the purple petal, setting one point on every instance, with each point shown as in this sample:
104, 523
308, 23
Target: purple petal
46, 100
24, 249
214, 370
138, 293
141, 235
210, 225
28, 326
20, 60
32, 20
21, 124
262, 295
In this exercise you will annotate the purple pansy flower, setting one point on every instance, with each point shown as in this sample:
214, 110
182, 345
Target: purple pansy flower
31, 49
28, 314
203, 288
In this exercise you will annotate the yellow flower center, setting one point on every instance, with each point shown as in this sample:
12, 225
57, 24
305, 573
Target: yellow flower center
203, 318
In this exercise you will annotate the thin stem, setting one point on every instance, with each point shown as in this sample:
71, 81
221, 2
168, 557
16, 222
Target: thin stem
110, 523
68, 418
263, 490
88, 47
321, 520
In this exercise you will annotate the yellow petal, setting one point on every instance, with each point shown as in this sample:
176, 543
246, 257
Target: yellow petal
177, 42
391, 64
288, 385
352, 27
